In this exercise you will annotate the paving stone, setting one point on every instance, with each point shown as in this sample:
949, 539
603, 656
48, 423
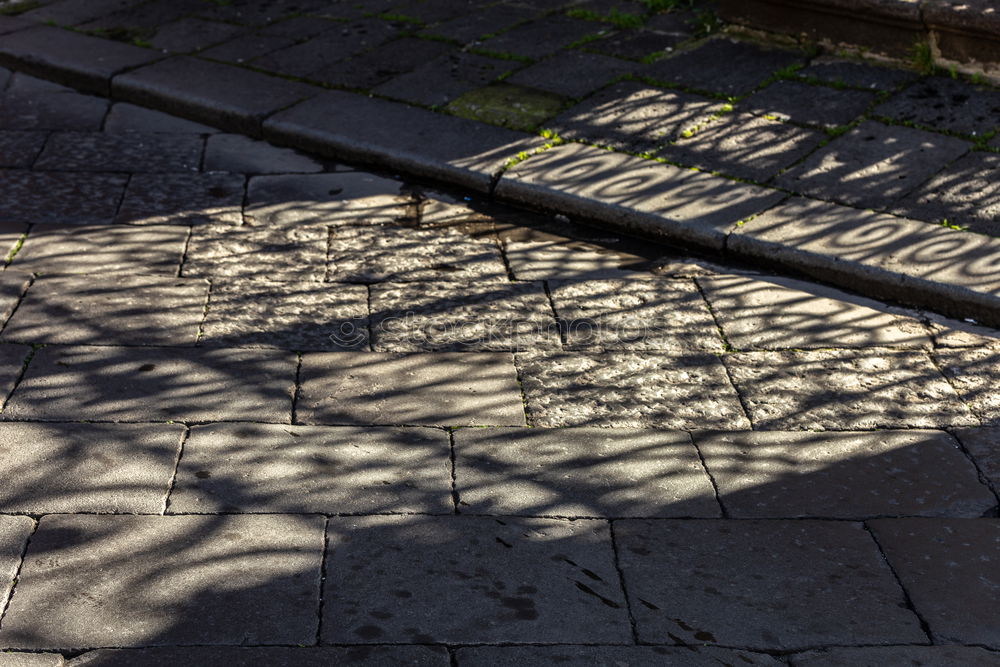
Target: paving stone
117, 310
635, 656
295, 469
809, 105
307, 26
507, 105
651, 314
629, 390
72, 12
408, 254
773, 585
33, 104
398, 579
378, 65
339, 198
876, 656
221, 95
206, 198
290, 316
191, 34
946, 104
335, 44
845, 389
843, 475
12, 358
133, 152
143, 15
572, 73
260, 12
959, 333
947, 567
444, 388
778, 313
154, 384
860, 75
637, 44
247, 47
125, 117
103, 249
460, 317
218, 579
485, 21
723, 67
538, 39
234, 152
101, 468
873, 164
13, 284
581, 472
563, 260
965, 193
972, 371
416, 656
72, 198
9, 24
445, 78
19, 149
14, 533
982, 444
12, 659
223, 251
633, 117
434, 11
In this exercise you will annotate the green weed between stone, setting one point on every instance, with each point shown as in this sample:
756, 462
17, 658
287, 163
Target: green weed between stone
507, 105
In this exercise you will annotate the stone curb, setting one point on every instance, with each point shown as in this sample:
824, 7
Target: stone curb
914, 262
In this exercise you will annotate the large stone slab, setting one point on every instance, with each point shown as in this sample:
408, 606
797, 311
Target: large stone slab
274, 656
155, 580
401, 579
984, 446
336, 199
843, 475
34, 104
236, 153
102, 249
876, 656
773, 585
446, 388
133, 152
629, 390
965, 193
845, 389
154, 199
946, 104
68, 198
295, 469
100, 468
155, 384
12, 287
581, 472
14, 533
634, 656
947, 567
12, 359
255, 253
972, 372
19, 149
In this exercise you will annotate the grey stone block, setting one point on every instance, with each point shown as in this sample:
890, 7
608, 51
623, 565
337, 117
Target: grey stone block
125, 117
396, 136
232, 656
581, 472
73, 12
218, 580
845, 389
569, 260
634, 195
947, 567
629, 390
33, 104
653, 314
634, 656
973, 371
946, 104
72, 58
290, 316
14, 533
876, 656
774, 585
183, 199
247, 47
12, 358
859, 75
335, 43
809, 105
461, 317
537, 39
65, 198
484, 21
228, 97
873, 165
966, 193
984, 446
376, 66
191, 34
133, 152
234, 152
446, 388
640, 44
154, 384
12, 659
772, 313
444, 78
222, 251
12, 287
117, 310
295, 469
339, 198
399, 579
19, 149
100, 468
103, 249
844, 475
572, 73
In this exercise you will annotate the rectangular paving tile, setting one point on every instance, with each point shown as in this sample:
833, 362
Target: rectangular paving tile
103, 249
947, 104
183, 199
972, 371
581, 472
334, 470
19, 149
125, 117
34, 104
629, 390
774, 313
155, 580
445, 388
124, 310
845, 389
948, 568
14, 533
155, 384
74, 467
808, 104
872, 656
445, 78
253, 253
240, 154
334, 199
400, 579
634, 656
133, 152
276, 656
572, 73
68, 198
843, 475
536, 39
772, 585
653, 314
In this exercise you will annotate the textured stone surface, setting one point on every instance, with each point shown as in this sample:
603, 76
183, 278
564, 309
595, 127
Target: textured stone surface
12, 358
378, 65
973, 372
540, 38
125, 117
508, 105
965, 193
234, 152
572, 73
70, 198
33, 104
334, 43
19, 149
461, 317
518, 580
13, 659
809, 105
860, 75
761, 584
629, 390
947, 567
845, 389
634, 656
12, 287
99, 249
946, 104
340, 198
779, 313
581, 472
562, 260
270, 468
444, 78
484, 21
232, 656
439, 389
182, 199
257, 254
14, 533
843, 475
105, 468
218, 579
154, 384
191, 34
984, 446
137, 152
876, 656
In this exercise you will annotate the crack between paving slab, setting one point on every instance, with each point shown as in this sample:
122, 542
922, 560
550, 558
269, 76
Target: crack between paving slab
528, 420
958, 394
924, 626
177, 462
184, 254
322, 581
560, 328
983, 478
297, 389
121, 198
711, 478
454, 477
17, 572
20, 376
736, 389
621, 581
369, 324
20, 299
204, 313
